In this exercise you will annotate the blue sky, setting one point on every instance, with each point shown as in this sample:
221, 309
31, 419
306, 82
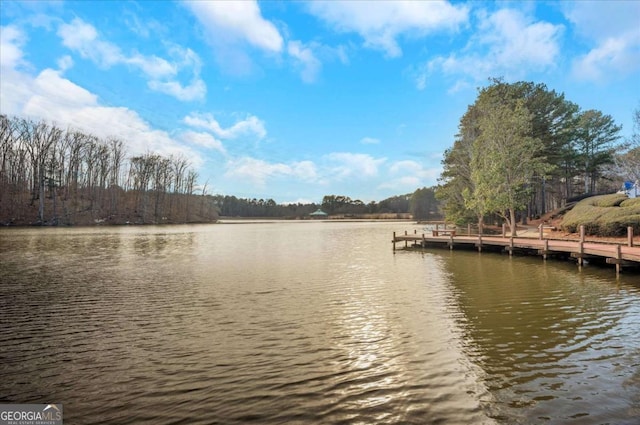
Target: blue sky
297, 100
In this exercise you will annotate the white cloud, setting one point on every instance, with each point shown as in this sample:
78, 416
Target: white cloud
16, 88
460, 85
602, 20
232, 28
306, 60
516, 41
51, 88
421, 79
183, 58
309, 57
11, 41
59, 100
406, 184
405, 166
83, 38
507, 43
153, 66
258, 171
326, 53
612, 57
369, 141
381, 23
335, 167
237, 21
78, 35
64, 63
346, 164
147, 28
614, 30
306, 170
205, 140
250, 126
410, 175
55, 99
193, 91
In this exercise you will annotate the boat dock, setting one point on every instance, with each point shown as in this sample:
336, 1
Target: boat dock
618, 254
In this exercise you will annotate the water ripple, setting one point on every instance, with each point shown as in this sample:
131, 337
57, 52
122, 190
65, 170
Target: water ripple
266, 324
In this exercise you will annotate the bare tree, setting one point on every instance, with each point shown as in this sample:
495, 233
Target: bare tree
39, 161
39, 138
117, 158
192, 177
628, 162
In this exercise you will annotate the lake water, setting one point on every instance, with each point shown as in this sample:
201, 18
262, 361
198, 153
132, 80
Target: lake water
309, 322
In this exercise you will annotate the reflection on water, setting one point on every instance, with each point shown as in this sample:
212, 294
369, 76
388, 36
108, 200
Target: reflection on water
552, 342
307, 323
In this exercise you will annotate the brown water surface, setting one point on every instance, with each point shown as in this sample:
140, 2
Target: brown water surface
312, 322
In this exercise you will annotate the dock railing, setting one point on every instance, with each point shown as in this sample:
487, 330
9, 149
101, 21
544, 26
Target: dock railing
443, 228
618, 252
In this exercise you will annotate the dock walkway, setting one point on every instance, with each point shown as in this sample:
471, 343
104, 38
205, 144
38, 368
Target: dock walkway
611, 253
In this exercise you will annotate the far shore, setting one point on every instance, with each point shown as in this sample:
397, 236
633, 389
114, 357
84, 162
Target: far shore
522, 232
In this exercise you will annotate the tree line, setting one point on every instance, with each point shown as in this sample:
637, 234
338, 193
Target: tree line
422, 204
523, 150
53, 176
49, 175
232, 206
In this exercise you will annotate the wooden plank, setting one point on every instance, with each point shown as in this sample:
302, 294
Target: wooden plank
576, 249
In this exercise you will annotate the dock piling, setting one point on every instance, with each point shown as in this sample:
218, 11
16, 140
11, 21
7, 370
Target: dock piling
619, 254
581, 247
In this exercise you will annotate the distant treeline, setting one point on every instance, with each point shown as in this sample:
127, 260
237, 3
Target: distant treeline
53, 176
422, 204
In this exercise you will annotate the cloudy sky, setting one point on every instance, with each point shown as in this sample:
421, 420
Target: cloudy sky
297, 100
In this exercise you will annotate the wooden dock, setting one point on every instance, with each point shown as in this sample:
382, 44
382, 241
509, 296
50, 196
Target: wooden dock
621, 255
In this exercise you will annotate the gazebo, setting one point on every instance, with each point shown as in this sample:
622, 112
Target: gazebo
319, 214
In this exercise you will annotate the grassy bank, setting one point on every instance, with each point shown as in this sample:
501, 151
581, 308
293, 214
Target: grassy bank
606, 215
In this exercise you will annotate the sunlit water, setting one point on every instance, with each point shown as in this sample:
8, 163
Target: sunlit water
313, 322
